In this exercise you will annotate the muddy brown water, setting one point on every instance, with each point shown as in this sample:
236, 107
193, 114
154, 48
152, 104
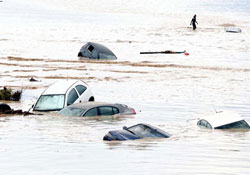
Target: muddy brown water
41, 39
169, 97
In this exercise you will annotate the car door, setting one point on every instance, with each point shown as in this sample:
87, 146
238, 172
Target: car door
80, 90
108, 110
102, 110
72, 97
91, 112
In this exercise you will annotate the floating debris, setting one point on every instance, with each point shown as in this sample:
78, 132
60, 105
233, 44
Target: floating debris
8, 94
33, 79
166, 52
6, 109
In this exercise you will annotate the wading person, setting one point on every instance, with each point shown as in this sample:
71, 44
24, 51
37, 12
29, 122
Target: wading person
193, 22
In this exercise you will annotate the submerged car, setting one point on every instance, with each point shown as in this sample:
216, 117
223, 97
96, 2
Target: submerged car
233, 30
62, 94
89, 109
96, 51
223, 120
138, 131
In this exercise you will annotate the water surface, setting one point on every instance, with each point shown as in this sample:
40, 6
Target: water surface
41, 39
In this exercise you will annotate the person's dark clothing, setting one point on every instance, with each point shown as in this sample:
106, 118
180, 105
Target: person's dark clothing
193, 22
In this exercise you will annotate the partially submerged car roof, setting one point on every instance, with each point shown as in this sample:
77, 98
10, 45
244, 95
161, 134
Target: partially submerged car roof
222, 118
145, 124
60, 87
90, 104
153, 127
94, 50
233, 30
100, 48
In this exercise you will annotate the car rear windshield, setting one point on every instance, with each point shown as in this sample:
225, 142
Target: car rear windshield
240, 124
68, 111
50, 103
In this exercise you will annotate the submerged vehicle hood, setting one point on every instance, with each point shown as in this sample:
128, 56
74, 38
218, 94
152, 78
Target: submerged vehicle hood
120, 135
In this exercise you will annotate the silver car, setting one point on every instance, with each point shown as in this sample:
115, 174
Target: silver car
96, 109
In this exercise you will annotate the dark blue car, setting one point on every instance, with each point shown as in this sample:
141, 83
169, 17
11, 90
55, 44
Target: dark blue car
138, 131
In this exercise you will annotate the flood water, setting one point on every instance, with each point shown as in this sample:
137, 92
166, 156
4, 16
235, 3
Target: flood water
41, 39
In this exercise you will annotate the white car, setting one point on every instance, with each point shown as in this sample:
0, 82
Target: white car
223, 120
62, 94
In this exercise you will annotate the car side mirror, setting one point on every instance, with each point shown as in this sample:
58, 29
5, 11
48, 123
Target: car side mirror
125, 128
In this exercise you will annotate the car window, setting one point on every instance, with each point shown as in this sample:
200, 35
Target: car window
204, 123
208, 125
106, 110
115, 110
50, 103
90, 48
68, 111
80, 89
91, 112
72, 97
239, 124
145, 131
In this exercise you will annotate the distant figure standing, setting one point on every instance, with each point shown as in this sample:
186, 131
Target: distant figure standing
193, 21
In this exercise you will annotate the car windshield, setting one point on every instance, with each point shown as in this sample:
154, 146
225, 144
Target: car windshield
144, 131
68, 111
240, 124
50, 103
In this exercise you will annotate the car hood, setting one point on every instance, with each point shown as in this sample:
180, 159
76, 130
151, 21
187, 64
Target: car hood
120, 135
